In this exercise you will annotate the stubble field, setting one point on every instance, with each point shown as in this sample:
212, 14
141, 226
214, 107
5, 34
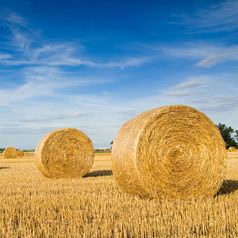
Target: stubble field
34, 206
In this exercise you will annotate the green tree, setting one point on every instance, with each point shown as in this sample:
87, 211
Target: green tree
236, 136
111, 144
226, 133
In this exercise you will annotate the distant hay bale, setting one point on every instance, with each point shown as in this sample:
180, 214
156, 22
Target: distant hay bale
9, 153
64, 153
232, 149
20, 153
169, 152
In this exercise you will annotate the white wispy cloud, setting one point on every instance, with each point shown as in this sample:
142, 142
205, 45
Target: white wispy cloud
183, 93
61, 55
21, 37
5, 56
132, 61
26, 130
203, 55
187, 87
189, 84
55, 117
220, 104
43, 81
10, 17
224, 56
55, 54
218, 17
189, 50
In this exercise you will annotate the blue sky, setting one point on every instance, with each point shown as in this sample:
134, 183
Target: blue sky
93, 65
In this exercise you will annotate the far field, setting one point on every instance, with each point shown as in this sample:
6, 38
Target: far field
34, 206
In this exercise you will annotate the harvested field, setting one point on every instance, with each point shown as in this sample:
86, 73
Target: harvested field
94, 206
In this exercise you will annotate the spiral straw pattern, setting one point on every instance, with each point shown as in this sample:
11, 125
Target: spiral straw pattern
9, 153
232, 149
64, 153
171, 151
19, 153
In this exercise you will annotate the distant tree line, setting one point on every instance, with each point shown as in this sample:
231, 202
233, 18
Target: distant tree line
2, 149
230, 136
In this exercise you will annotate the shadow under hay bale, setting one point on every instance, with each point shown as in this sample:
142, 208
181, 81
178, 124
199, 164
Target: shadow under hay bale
169, 152
99, 173
4, 167
227, 187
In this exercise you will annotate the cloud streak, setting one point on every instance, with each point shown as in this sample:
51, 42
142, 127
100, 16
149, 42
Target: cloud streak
189, 84
46, 82
57, 54
226, 55
184, 89
217, 18
220, 104
203, 55
52, 118
183, 93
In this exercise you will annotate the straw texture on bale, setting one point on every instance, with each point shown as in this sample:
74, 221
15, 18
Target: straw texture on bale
9, 153
232, 149
64, 153
19, 153
169, 152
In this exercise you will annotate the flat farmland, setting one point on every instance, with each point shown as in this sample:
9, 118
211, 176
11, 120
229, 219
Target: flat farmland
94, 206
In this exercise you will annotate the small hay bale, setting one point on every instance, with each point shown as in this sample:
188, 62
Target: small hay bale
20, 153
64, 153
9, 153
232, 149
169, 152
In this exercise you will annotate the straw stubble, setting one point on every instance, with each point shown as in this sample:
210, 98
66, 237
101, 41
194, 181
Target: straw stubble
171, 151
64, 153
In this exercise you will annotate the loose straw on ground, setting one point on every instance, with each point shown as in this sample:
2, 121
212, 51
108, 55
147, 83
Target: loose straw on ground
64, 153
171, 151
19, 154
9, 153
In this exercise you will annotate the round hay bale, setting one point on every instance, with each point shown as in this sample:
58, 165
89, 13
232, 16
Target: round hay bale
64, 153
232, 149
9, 153
169, 152
19, 153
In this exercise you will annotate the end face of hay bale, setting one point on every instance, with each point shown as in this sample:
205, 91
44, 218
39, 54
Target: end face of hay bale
9, 153
232, 149
64, 153
172, 151
19, 153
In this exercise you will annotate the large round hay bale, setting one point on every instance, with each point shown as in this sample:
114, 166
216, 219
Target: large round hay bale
9, 153
169, 152
232, 149
19, 153
64, 153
